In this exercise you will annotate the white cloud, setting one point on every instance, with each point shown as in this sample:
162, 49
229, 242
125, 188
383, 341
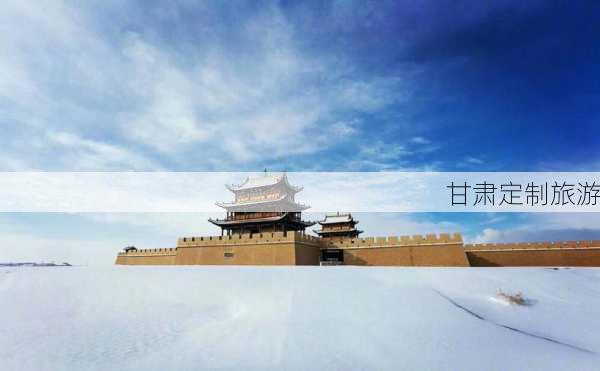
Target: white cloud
381, 151
25, 247
489, 235
558, 221
546, 227
381, 156
420, 140
470, 162
395, 224
163, 224
89, 154
202, 105
243, 112
10, 163
344, 128
473, 160
166, 118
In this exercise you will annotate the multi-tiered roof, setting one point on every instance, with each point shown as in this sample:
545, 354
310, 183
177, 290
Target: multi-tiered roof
338, 225
263, 203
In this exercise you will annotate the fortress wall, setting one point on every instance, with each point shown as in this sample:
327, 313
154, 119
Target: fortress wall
276, 248
394, 241
163, 256
238, 255
533, 245
308, 249
294, 248
558, 253
430, 250
567, 253
236, 239
535, 258
415, 256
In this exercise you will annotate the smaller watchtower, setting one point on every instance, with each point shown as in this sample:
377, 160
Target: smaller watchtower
338, 226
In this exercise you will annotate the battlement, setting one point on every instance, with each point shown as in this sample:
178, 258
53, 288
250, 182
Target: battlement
296, 248
394, 241
246, 238
274, 237
172, 251
533, 245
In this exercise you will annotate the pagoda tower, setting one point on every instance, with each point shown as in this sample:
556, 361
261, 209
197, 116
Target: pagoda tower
263, 204
338, 226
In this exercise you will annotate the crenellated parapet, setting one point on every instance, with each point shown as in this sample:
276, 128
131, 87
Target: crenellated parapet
397, 241
150, 252
417, 250
270, 248
296, 248
245, 239
160, 256
546, 245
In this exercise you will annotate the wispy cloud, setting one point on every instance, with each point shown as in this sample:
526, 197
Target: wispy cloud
470, 162
82, 153
344, 128
545, 227
420, 140
473, 160
203, 105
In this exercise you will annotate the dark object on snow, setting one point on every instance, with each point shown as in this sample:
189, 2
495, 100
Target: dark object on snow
517, 299
30, 264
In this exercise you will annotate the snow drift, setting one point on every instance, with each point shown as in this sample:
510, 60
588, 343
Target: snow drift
189, 318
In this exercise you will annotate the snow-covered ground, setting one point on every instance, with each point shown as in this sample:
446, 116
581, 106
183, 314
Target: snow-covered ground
304, 318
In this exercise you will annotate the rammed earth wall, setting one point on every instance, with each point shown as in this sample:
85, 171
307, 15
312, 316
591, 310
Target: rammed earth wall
294, 248
430, 250
148, 257
275, 248
567, 253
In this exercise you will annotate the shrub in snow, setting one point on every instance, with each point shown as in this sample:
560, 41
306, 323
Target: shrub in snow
516, 299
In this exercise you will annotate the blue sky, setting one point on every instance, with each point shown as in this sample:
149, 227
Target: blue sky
301, 86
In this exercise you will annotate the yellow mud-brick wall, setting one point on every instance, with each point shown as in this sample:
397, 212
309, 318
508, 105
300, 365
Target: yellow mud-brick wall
559, 253
273, 248
162, 256
308, 249
429, 250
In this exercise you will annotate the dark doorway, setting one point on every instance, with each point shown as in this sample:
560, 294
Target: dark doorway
332, 257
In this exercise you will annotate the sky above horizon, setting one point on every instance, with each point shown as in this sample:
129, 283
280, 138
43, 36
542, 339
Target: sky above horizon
297, 86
